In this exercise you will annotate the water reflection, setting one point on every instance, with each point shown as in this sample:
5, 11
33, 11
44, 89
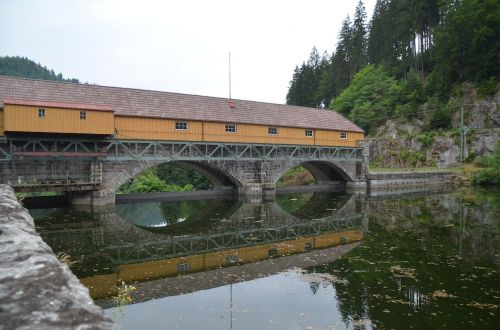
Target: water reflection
430, 260
144, 241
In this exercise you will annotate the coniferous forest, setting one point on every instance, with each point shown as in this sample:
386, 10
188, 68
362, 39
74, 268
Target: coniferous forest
23, 67
409, 53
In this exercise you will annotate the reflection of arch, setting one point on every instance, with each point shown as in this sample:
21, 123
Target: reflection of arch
241, 224
199, 220
326, 202
215, 176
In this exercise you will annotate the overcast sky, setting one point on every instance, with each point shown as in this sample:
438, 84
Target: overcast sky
177, 46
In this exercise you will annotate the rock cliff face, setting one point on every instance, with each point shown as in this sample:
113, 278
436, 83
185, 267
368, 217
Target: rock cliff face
400, 143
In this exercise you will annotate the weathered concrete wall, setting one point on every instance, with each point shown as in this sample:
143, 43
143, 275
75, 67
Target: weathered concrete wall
36, 290
391, 179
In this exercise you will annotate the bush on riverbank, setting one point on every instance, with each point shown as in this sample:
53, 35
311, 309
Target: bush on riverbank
489, 172
150, 182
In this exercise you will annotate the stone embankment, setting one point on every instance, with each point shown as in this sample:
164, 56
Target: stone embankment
391, 179
36, 290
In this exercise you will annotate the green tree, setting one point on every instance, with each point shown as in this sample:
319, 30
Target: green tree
467, 44
359, 57
176, 174
371, 97
305, 84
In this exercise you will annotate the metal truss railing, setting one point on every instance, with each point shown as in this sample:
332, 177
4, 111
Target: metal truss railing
182, 246
113, 150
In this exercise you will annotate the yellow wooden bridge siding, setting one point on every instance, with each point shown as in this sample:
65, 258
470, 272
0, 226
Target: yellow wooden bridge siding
2, 130
101, 286
21, 118
137, 128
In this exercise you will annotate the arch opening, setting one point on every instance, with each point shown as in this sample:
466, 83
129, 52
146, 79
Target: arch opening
177, 176
313, 173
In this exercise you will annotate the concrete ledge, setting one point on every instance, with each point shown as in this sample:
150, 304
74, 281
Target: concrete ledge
36, 290
383, 180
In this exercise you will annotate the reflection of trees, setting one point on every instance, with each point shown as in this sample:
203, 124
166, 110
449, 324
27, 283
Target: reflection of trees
189, 217
412, 252
165, 216
312, 205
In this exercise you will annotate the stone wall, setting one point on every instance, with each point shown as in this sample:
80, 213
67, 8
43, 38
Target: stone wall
36, 290
395, 179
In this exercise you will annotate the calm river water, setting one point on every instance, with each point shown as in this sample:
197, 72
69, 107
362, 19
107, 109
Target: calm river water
304, 261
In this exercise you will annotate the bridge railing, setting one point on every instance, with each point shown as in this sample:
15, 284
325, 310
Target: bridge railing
114, 149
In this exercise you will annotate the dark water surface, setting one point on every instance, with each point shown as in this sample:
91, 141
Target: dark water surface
406, 261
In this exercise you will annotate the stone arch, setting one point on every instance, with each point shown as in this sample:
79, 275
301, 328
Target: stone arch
123, 171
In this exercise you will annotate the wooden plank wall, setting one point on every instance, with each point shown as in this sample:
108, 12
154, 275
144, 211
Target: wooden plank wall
16, 118
20, 118
164, 129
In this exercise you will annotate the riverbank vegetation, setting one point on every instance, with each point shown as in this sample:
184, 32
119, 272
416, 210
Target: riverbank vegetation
488, 173
166, 178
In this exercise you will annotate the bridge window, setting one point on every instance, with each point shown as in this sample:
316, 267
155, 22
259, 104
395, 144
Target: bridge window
232, 259
309, 132
273, 131
343, 135
41, 113
230, 128
83, 115
181, 125
183, 268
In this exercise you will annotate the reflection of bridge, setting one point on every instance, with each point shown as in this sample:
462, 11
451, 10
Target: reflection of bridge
242, 233
168, 248
221, 224
88, 140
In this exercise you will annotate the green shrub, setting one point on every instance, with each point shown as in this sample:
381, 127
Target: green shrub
487, 88
425, 138
489, 174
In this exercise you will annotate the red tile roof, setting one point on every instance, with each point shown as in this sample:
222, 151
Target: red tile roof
77, 106
146, 103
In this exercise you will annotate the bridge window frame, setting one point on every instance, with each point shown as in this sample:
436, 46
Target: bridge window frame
309, 133
41, 112
83, 115
183, 267
232, 259
272, 130
231, 128
181, 126
343, 135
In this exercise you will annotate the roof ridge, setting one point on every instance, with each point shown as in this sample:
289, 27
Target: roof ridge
146, 90
154, 103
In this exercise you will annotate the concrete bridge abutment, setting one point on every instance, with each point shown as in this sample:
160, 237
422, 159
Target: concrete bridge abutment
253, 178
